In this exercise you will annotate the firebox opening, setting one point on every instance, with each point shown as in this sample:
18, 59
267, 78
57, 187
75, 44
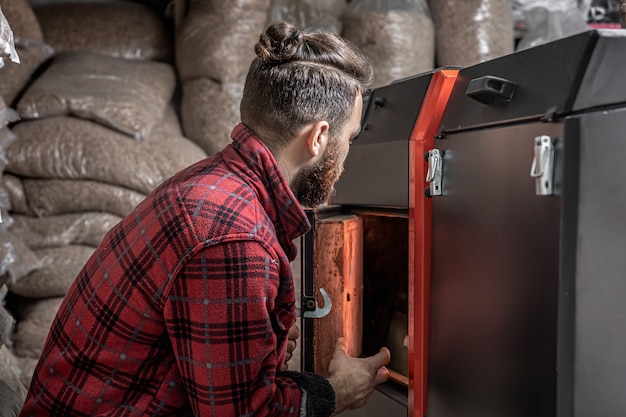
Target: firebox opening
385, 287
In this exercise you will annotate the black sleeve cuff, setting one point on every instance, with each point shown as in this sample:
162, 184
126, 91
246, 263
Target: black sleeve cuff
320, 394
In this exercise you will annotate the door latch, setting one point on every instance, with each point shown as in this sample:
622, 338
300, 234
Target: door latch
542, 169
433, 176
311, 310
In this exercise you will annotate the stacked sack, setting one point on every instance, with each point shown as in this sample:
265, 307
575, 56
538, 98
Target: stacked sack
99, 130
472, 31
398, 37
12, 389
316, 15
31, 48
214, 49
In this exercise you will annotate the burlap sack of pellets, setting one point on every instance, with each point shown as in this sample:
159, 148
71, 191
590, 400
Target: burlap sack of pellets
48, 197
5, 202
15, 191
59, 268
7, 137
71, 148
128, 96
120, 29
314, 15
171, 122
3, 161
34, 321
209, 112
398, 37
27, 367
14, 78
9, 361
22, 19
472, 31
12, 390
24, 263
216, 39
86, 228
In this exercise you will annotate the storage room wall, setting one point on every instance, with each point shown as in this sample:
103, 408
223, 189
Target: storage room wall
112, 97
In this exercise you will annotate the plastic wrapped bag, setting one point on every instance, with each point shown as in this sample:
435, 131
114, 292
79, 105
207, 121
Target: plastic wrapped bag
14, 78
24, 263
323, 16
472, 31
86, 228
5, 204
35, 320
549, 20
47, 197
23, 21
128, 96
7, 253
59, 268
12, 390
119, 29
14, 188
209, 112
216, 39
7, 115
398, 37
7, 42
69, 147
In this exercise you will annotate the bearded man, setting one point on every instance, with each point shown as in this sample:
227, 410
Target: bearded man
186, 306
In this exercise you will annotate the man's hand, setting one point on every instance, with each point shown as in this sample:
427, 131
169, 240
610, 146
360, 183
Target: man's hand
354, 379
294, 333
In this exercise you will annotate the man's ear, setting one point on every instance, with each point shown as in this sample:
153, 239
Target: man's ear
317, 137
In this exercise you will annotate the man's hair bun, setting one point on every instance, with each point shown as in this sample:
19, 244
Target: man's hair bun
280, 43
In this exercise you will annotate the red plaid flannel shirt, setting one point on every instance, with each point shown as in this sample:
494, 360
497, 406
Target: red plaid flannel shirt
185, 306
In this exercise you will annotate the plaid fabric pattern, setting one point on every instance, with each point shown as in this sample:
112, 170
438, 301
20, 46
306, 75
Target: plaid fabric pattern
185, 307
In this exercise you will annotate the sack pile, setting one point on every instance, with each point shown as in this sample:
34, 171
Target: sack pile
108, 100
472, 31
12, 388
398, 37
98, 130
214, 49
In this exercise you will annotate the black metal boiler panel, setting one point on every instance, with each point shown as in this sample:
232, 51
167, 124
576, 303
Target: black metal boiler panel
592, 294
377, 167
528, 286
494, 285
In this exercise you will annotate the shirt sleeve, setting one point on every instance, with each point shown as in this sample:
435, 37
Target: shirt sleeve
221, 318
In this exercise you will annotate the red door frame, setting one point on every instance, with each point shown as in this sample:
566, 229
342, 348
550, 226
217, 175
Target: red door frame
420, 223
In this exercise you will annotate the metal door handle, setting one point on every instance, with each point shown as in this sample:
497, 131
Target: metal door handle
491, 90
542, 168
433, 176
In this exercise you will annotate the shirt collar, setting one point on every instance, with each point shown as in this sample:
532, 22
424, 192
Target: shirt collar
273, 190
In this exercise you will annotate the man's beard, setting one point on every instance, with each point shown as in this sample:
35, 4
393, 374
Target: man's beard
314, 184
